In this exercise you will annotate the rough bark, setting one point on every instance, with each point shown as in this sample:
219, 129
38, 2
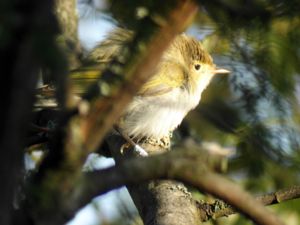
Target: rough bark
186, 166
159, 202
266, 199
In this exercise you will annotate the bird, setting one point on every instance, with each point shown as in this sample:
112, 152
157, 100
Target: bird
178, 81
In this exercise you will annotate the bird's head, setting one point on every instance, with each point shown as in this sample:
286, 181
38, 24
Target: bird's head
192, 65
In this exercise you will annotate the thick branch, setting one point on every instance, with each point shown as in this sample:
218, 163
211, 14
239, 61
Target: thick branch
159, 201
186, 166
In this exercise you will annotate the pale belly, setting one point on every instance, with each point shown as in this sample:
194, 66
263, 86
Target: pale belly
157, 116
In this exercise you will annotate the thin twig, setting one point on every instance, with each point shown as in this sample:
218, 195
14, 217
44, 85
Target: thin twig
223, 209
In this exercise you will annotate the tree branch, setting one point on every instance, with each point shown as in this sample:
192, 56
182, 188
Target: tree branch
220, 209
186, 166
280, 196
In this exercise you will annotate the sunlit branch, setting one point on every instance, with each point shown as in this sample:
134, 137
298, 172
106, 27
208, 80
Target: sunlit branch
186, 166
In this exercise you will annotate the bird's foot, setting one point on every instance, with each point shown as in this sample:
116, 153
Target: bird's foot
164, 142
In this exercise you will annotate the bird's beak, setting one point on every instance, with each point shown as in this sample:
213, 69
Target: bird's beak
220, 71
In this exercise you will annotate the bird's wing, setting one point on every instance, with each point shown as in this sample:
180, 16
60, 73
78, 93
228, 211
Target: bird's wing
154, 87
83, 77
170, 76
98, 58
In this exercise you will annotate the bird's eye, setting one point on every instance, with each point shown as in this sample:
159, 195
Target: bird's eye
197, 66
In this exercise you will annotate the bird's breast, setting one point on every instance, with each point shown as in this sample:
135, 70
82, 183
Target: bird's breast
156, 116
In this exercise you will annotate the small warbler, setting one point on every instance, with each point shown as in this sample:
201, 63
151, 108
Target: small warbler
163, 101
